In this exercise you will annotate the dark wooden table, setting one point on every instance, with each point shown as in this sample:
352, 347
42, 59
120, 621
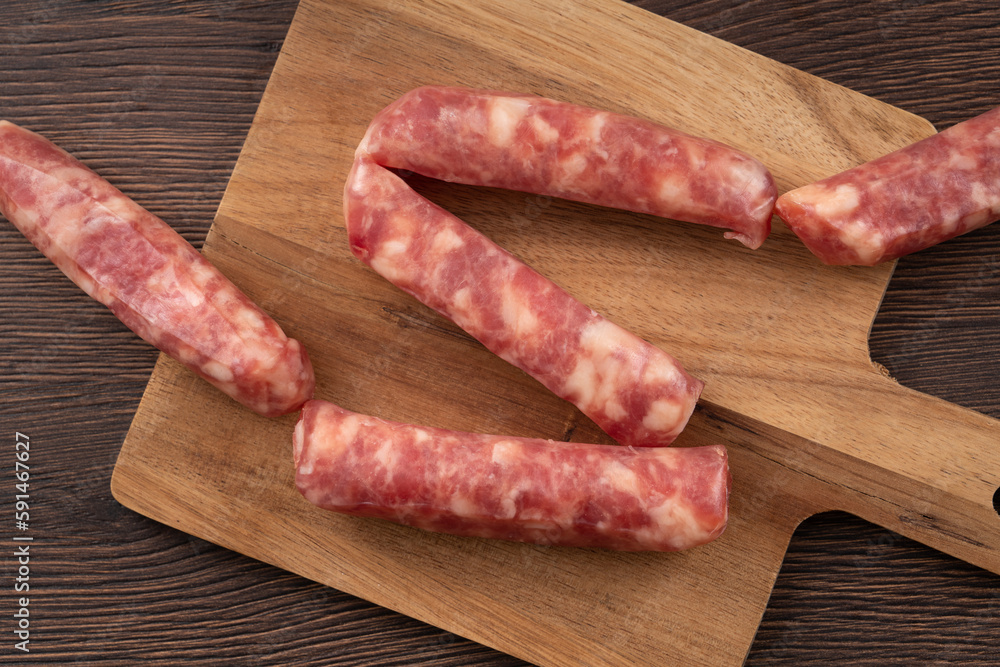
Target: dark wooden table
157, 96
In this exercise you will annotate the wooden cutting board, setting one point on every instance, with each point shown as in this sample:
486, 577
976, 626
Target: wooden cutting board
780, 339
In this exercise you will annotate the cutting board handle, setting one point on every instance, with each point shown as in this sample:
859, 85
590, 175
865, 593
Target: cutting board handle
921, 466
933, 470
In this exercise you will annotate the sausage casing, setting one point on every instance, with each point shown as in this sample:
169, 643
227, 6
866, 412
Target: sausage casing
153, 280
522, 489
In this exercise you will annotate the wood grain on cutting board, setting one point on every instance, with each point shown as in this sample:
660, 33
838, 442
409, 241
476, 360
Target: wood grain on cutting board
779, 338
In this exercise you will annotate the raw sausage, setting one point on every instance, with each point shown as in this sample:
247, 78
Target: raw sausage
153, 280
637, 393
920, 195
532, 144
521, 489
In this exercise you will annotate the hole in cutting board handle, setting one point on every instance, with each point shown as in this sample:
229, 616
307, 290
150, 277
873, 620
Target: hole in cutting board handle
996, 501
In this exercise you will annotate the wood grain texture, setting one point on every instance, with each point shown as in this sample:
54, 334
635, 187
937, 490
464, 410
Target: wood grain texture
73, 376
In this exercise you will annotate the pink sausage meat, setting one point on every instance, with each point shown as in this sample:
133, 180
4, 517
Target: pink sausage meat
153, 280
916, 197
637, 393
532, 144
528, 490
